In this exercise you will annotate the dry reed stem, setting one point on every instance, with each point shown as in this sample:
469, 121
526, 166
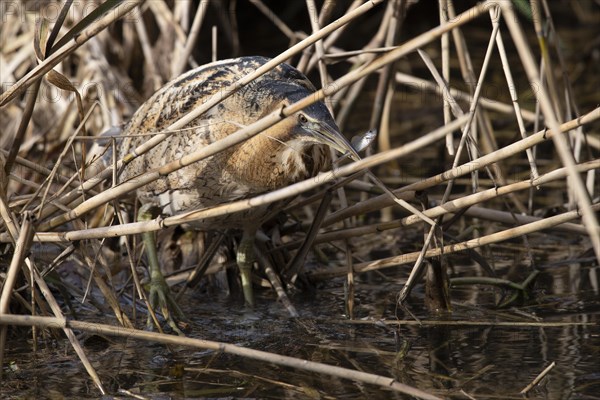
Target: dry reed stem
456, 94
300, 256
458, 323
7, 215
514, 97
538, 378
496, 192
562, 147
22, 245
375, 203
297, 262
442, 87
256, 127
154, 77
190, 42
552, 88
510, 218
475, 101
231, 140
292, 362
141, 294
15, 232
165, 18
468, 75
571, 105
50, 62
364, 58
498, 155
381, 114
240, 205
496, 237
458, 204
445, 48
20, 134
58, 164
106, 288
466, 134
68, 332
35, 167
331, 39
21, 249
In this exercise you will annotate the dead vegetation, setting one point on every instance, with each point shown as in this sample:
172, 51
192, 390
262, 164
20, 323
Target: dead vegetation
469, 88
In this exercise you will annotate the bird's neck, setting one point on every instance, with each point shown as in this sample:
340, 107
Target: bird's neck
263, 164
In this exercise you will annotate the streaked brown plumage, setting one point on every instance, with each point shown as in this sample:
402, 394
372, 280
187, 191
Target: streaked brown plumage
277, 157
293, 149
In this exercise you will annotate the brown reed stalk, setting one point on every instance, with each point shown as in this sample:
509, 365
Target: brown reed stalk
562, 147
497, 237
131, 334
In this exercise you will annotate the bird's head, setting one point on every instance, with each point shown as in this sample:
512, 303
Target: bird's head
297, 147
303, 139
314, 124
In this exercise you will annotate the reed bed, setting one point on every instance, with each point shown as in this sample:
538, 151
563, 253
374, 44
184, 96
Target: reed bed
73, 70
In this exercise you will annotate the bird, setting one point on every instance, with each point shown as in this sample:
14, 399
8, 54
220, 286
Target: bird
294, 149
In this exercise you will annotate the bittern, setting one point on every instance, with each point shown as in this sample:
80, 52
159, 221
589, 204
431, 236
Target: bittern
296, 148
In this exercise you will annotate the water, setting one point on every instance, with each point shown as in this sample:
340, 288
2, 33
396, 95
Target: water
485, 361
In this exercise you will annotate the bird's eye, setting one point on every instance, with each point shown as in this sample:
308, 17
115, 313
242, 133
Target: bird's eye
302, 118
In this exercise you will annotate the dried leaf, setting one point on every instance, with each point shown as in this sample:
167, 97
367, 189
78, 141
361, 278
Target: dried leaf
40, 37
60, 81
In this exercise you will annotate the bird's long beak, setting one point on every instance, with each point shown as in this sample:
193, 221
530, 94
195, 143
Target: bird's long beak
330, 136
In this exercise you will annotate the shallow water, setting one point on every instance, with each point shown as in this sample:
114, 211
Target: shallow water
483, 360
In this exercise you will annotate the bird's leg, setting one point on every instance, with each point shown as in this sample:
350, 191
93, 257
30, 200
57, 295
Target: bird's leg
159, 293
245, 260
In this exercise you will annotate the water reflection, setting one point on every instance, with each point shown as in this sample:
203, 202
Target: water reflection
483, 361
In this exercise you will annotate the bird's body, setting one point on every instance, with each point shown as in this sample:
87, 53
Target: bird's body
295, 148
270, 160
